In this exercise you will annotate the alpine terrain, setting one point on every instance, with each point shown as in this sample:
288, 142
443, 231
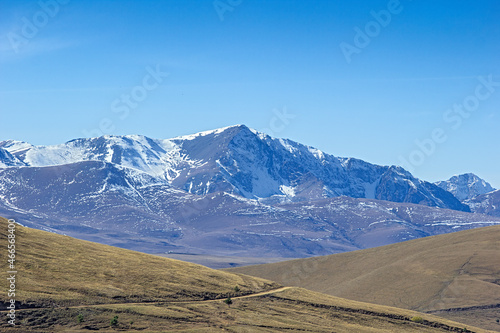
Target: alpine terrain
229, 191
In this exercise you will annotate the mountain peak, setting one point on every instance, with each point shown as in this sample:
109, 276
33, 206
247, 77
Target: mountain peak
465, 186
217, 131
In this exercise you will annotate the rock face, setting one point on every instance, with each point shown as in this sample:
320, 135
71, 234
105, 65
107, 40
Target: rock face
231, 191
466, 186
8, 160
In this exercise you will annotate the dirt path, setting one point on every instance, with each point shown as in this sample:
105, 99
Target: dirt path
272, 291
263, 293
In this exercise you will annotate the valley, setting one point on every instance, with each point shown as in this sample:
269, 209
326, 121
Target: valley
372, 246
69, 285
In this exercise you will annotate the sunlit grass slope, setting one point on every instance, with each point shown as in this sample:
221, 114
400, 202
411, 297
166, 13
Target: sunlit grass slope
457, 270
56, 269
79, 286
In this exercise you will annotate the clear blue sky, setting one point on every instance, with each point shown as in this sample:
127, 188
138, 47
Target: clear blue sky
64, 70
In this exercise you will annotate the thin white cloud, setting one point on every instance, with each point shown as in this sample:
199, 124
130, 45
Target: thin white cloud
32, 48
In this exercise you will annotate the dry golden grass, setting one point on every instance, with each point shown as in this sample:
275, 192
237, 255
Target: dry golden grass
485, 318
293, 309
65, 278
66, 271
447, 271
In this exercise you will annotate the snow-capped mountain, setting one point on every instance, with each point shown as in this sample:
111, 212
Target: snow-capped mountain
231, 191
244, 162
466, 186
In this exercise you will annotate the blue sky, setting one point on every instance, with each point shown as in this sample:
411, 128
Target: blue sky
418, 87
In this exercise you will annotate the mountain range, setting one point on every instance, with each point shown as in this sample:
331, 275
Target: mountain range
228, 191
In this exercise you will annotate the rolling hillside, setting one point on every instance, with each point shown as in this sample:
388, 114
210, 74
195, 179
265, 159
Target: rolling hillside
69, 285
454, 275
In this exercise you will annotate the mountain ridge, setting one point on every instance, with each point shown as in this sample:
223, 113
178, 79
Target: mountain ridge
222, 192
245, 162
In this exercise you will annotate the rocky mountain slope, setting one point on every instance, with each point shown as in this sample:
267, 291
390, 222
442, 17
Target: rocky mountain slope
103, 202
488, 203
466, 186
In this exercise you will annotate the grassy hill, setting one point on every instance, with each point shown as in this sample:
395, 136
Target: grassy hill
455, 275
69, 285
61, 270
